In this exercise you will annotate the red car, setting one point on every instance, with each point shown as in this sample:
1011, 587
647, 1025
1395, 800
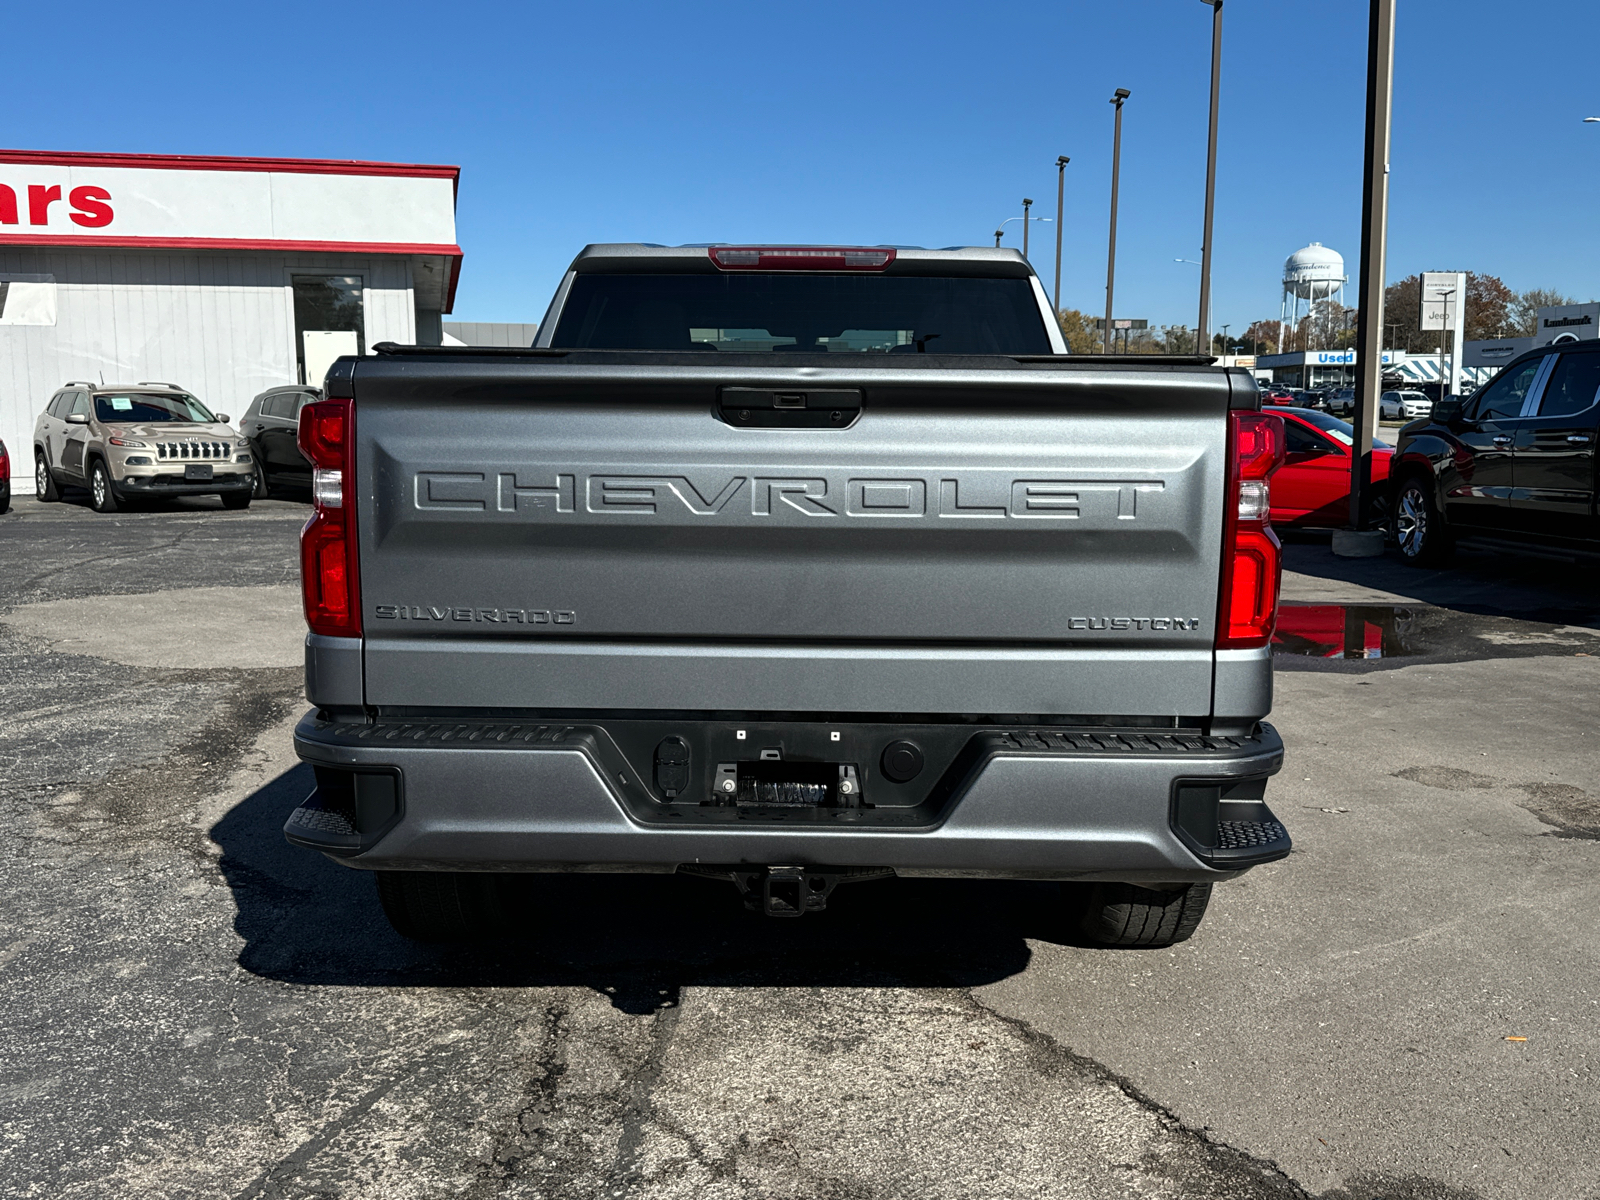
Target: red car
1273, 394
1312, 488
5, 479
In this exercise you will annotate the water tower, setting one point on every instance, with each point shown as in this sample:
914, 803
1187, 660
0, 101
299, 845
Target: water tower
1315, 273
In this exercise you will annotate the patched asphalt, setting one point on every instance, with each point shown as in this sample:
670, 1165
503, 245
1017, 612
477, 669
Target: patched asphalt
195, 1008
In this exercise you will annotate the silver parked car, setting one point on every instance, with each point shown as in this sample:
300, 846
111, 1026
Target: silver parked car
1403, 406
126, 443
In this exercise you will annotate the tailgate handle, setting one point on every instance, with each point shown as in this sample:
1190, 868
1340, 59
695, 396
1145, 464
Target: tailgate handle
789, 408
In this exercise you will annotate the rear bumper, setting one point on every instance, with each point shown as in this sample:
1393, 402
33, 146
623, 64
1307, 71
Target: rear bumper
1051, 804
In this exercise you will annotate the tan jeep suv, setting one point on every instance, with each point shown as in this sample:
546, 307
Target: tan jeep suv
128, 443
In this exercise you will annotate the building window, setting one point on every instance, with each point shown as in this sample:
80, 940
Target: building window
328, 322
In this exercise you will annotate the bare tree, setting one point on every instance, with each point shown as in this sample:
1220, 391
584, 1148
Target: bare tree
1524, 310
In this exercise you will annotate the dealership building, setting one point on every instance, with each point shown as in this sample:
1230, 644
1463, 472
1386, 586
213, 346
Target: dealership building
225, 276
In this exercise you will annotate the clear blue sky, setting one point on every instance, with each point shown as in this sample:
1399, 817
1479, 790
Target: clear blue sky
861, 122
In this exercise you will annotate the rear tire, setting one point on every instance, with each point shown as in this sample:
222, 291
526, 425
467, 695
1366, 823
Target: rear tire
440, 906
102, 498
1419, 527
236, 499
1124, 914
44, 482
261, 491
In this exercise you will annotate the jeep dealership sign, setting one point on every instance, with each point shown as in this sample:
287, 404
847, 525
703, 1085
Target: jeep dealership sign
132, 200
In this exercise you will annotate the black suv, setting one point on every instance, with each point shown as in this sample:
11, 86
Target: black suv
1513, 463
272, 425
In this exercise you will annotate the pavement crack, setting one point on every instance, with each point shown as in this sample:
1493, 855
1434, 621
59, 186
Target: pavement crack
1231, 1159
271, 1180
640, 1106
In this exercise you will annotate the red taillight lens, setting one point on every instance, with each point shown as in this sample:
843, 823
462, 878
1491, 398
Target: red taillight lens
1252, 561
801, 258
1259, 443
323, 429
5, 465
328, 553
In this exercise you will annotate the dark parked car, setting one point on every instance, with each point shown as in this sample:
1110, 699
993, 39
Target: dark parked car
5, 479
1513, 463
270, 425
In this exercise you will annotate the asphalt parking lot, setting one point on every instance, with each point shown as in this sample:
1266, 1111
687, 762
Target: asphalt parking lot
1406, 1007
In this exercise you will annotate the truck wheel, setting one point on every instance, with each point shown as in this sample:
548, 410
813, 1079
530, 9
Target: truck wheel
438, 906
1419, 527
44, 482
1123, 914
101, 498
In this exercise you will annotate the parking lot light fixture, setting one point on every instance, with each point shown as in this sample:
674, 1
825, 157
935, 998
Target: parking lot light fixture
1061, 200
1117, 98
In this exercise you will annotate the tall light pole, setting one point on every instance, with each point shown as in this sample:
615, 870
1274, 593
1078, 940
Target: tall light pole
1061, 201
1117, 98
1026, 205
1374, 247
1211, 167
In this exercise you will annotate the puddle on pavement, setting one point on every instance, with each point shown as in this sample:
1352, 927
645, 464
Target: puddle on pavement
1380, 631
1347, 631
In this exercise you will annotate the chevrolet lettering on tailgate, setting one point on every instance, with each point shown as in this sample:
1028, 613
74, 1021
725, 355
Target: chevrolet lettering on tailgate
551, 495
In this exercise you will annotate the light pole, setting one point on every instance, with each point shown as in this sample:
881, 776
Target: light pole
1061, 201
1117, 98
1225, 342
1026, 205
1008, 221
1211, 166
1374, 247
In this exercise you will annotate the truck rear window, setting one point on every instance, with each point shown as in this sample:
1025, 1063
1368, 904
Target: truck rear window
823, 314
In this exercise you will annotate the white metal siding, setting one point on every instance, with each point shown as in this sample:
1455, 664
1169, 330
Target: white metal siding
218, 323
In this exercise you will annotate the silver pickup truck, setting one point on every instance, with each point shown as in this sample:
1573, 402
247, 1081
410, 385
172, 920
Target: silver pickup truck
791, 567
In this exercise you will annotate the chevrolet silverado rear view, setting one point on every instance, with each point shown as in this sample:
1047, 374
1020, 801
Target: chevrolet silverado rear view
791, 567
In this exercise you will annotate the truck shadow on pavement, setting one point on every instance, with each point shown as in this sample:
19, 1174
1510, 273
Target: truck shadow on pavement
1476, 580
636, 939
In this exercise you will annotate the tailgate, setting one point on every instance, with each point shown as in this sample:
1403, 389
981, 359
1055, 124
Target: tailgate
977, 541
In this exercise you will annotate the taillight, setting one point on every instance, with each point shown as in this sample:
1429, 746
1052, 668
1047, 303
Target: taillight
801, 258
328, 576
1252, 561
5, 464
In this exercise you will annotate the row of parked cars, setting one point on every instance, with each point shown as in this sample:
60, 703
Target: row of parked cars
1395, 405
131, 444
1511, 466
